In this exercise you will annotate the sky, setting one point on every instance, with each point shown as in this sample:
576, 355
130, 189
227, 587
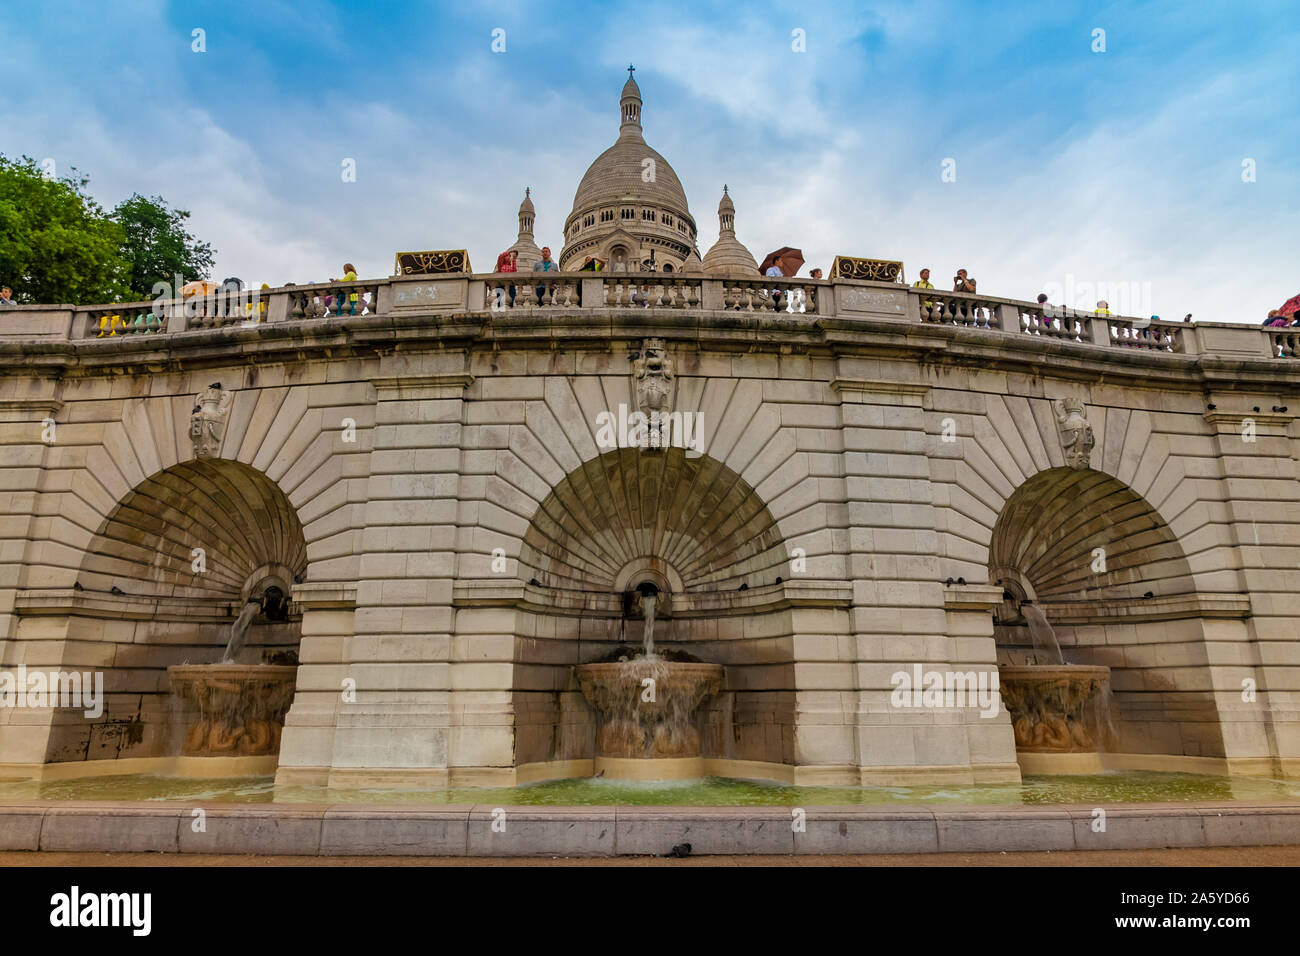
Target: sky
1154, 161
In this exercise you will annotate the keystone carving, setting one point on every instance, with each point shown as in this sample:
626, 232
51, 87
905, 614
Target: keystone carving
208, 420
1076, 434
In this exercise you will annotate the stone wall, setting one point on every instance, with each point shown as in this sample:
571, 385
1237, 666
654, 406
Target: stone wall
407, 453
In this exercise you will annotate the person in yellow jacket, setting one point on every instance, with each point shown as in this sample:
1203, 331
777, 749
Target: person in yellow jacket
924, 283
349, 275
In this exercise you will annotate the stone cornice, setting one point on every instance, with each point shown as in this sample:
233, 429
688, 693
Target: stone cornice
863, 336
1171, 608
28, 409
544, 600
392, 388
130, 607
323, 595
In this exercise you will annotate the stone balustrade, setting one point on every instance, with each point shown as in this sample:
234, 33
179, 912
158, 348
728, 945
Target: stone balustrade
537, 292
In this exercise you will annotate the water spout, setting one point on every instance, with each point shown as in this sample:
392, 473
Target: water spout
1041, 633
239, 629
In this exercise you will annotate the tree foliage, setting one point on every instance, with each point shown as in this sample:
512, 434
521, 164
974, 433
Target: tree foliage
56, 243
157, 246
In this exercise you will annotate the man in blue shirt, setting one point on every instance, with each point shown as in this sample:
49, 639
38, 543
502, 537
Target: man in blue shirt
546, 264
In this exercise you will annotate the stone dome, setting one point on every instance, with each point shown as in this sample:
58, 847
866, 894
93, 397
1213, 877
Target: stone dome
729, 255
629, 198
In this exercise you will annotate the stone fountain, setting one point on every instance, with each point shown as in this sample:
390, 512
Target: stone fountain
241, 707
1059, 712
647, 702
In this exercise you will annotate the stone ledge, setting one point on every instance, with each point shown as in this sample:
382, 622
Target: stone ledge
1172, 608
130, 607
314, 595
463, 829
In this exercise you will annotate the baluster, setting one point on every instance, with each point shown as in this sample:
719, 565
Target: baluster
659, 295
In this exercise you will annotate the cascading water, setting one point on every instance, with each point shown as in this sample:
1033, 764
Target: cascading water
1055, 707
648, 599
1042, 634
239, 630
647, 702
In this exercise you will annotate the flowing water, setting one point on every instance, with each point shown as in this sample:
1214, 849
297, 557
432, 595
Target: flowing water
649, 640
238, 630
1041, 633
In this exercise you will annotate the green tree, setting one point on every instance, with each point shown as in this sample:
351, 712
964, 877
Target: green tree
157, 246
56, 243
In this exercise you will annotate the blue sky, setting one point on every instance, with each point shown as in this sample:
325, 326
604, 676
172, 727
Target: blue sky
1074, 168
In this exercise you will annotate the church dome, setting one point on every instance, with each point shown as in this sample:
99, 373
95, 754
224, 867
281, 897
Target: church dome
630, 202
615, 177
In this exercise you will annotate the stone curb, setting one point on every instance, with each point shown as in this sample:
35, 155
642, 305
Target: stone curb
483, 830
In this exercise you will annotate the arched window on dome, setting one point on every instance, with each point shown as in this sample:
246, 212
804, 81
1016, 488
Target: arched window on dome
628, 213
668, 220
668, 267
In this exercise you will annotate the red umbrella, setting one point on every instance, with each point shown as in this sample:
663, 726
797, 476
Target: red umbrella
1290, 306
787, 259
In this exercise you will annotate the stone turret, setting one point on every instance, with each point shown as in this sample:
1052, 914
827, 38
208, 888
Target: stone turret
728, 255
526, 249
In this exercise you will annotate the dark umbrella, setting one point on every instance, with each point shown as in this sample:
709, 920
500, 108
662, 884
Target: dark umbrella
788, 260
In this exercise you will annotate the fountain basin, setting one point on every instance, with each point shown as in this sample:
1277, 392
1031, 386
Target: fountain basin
241, 707
1053, 710
647, 708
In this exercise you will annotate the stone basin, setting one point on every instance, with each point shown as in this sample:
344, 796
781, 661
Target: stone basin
241, 707
648, 739
1049, 705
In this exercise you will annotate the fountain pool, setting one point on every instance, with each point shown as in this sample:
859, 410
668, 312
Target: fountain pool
1089, 789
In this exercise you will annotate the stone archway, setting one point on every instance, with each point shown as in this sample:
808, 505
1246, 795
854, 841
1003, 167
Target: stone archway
160, 584
694, 528
1115, 583
1060, 527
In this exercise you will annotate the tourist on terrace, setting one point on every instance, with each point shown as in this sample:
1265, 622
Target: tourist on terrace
815, 274
508, 261
924, 282
7, 297
1103, 307
545, 264
1288, 314
961, 282
349, 275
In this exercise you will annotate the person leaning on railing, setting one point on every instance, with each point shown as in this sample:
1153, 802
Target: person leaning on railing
349, 275
545, 264
7, 297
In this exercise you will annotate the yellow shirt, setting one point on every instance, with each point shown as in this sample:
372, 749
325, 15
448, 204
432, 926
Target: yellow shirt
351, 277
921, 284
